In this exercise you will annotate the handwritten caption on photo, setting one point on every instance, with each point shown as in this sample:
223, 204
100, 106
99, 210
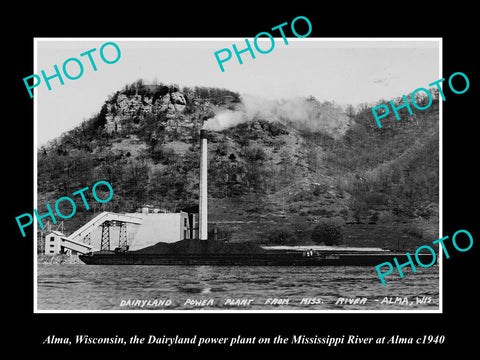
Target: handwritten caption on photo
247, 303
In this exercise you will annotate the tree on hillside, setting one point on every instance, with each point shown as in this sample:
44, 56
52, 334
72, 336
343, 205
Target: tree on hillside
255, 170
224, 177
110, 172
169, 187
64, 173
287, 165
314, 159
135, 180
350, 111
327, 233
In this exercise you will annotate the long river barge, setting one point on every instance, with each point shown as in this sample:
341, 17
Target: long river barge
212, 253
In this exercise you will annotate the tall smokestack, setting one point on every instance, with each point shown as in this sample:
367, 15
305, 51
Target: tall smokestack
203, 198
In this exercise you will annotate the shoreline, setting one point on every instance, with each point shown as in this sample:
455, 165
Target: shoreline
58, 259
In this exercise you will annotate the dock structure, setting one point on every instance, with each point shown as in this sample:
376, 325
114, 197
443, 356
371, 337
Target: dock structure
105, 220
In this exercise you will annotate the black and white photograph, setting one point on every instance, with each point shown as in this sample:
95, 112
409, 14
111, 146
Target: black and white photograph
267, 186
226, 180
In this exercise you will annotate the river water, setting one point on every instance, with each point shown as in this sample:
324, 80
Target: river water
197, 288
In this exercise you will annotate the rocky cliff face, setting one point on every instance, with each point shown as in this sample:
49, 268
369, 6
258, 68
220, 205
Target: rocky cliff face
124, 108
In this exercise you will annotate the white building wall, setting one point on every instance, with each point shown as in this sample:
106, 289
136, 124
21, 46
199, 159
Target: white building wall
161, 227
52, 244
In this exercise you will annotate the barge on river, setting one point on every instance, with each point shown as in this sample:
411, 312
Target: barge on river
196, 252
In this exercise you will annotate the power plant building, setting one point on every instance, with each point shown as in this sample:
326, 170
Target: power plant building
164, 227
128, 231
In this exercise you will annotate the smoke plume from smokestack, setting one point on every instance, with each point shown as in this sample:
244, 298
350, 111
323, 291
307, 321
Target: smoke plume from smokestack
302, 113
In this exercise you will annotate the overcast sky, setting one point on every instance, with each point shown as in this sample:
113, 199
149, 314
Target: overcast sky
343, 71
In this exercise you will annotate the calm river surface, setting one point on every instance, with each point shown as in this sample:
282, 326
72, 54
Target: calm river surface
196, 288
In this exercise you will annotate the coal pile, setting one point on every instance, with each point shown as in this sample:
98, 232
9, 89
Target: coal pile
202, 247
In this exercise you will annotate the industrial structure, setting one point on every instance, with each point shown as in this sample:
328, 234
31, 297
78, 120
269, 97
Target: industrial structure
58, 243
203, 196
121, 232
110, 231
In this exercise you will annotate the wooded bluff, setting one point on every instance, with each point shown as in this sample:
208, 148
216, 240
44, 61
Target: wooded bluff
277, 169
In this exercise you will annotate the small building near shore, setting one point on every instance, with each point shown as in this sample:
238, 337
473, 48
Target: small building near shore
57, 243
53, 242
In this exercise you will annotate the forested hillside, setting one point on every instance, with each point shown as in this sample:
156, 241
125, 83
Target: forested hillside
272, 175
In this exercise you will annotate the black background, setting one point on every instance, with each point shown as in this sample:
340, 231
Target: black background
26, 331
